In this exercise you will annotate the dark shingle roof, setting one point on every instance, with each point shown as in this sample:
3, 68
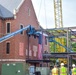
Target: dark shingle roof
7, 7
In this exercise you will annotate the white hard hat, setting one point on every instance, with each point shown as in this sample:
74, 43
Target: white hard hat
73, 65
62, 64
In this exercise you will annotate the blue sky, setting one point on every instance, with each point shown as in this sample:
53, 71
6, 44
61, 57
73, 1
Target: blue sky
45, 12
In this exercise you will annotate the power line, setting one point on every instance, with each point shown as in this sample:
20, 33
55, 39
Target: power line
39, 9
45, 13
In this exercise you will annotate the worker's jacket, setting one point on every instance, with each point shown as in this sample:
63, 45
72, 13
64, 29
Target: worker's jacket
74, 71
63, 70
55, 71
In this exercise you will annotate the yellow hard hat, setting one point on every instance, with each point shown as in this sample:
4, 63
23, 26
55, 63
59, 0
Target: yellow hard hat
62, 64
73, 65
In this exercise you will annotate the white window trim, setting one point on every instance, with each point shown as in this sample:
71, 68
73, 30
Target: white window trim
20, 5
6, 27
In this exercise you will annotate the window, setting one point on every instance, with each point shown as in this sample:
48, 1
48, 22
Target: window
21, 27
45, 40
29, 11
7, 47
8, 28
34, 50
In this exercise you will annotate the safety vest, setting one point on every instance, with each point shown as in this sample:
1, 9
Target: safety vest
54, 71
63, 71
74, 71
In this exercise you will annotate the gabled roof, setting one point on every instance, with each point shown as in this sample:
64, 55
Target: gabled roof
7, 7
0, 13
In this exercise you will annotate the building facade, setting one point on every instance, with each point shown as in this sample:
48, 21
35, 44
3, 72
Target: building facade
15, 15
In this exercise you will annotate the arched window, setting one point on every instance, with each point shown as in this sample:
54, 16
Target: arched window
8, 27
7, 47
21, 27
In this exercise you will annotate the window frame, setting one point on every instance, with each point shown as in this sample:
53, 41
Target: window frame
8, 51
20, 28
6, 27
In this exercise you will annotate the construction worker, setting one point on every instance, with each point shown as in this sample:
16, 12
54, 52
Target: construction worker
73, 69
63, 70
55, 70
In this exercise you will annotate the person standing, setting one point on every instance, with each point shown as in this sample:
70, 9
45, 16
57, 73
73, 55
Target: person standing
73, 70
55, 70
63, 70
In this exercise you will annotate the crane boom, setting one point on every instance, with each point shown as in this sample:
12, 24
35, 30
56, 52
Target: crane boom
13, 34
58, 13
66, 48
30, 30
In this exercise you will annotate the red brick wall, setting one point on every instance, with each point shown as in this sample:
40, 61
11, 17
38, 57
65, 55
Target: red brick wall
3, 44
0, 37
25, 19
0, 28
22, 19
33, 42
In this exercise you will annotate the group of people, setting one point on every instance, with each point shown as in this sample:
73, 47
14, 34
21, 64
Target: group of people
63, 70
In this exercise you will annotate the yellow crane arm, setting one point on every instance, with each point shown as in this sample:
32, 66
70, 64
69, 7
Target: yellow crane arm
58, 13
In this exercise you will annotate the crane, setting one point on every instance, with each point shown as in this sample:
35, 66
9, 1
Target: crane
59, 24
58, 13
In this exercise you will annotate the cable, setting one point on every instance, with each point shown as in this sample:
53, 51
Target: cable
39, 9
45, 13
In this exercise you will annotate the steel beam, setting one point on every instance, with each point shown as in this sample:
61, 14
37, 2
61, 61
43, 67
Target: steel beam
65, 28
37, 61
58, 55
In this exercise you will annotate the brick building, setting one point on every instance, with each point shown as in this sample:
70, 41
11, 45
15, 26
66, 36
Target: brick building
14, 15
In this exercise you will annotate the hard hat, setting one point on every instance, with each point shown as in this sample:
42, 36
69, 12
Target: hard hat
62, 64
73, 65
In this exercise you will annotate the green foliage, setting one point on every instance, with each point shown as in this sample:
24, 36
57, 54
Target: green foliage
74, 61
52, 48
74, 47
